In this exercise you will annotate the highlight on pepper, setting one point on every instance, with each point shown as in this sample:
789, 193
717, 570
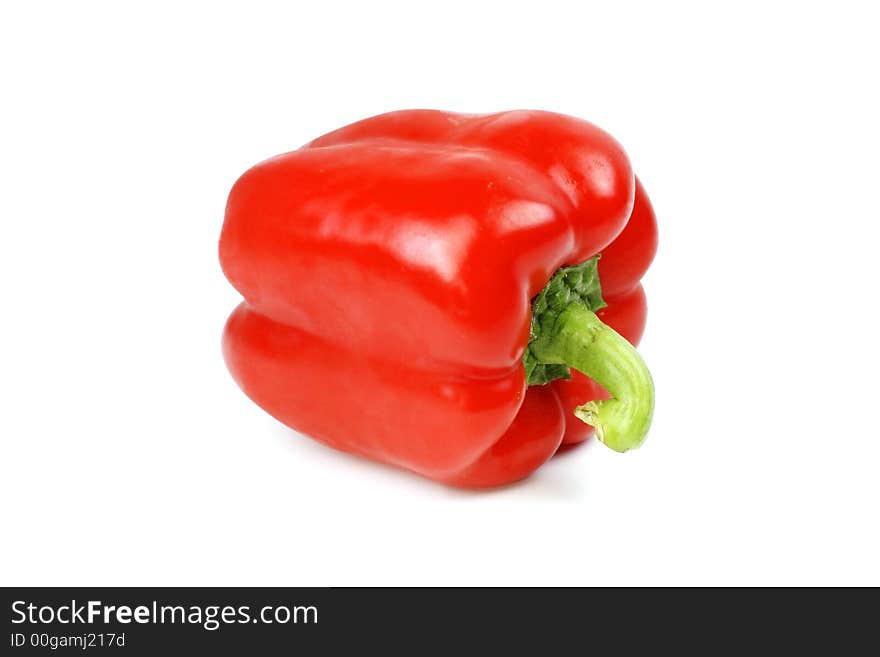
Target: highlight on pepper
457, 295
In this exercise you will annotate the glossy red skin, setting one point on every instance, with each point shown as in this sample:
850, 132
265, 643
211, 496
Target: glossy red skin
387, 270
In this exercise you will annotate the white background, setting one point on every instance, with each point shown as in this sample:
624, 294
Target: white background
129, 456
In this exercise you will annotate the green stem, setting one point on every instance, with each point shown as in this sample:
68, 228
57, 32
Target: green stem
577, 338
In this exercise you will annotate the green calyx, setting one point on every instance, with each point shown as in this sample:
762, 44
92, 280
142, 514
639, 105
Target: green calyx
578, 284
566, 333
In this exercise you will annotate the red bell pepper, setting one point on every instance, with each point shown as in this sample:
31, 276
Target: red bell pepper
423, 288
